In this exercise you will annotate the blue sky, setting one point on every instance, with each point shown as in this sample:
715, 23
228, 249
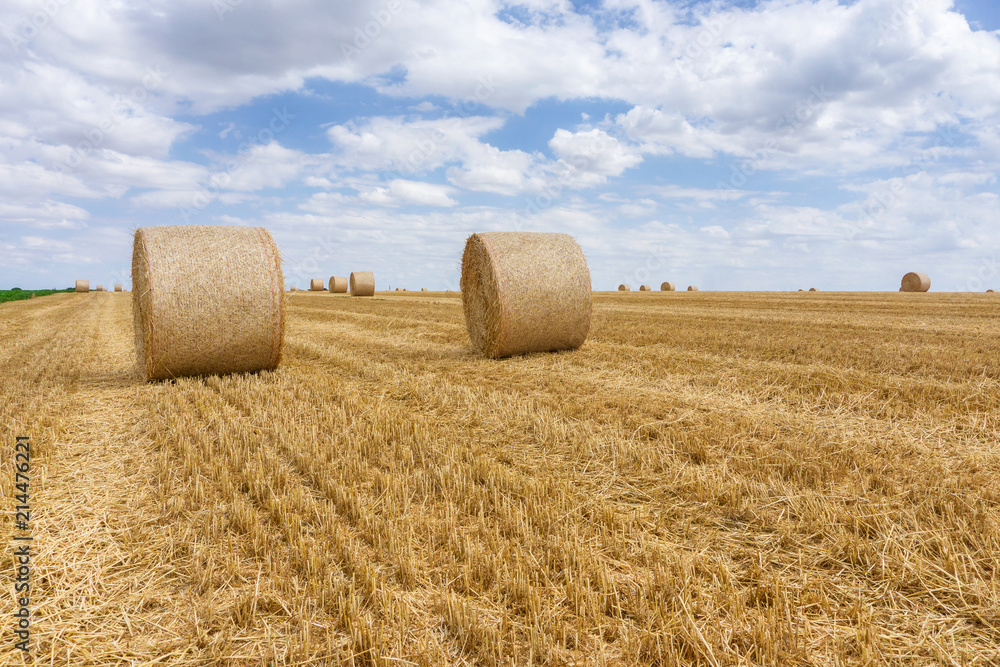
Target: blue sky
747, 144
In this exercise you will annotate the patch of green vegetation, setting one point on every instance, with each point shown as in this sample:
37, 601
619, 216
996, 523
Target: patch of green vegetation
17, 294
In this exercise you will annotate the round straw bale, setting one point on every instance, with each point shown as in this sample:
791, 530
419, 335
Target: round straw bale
294, 289
668, 287
813, 289
525, 292
316, 285
82, 285
338, 285
624, 288
915, 282
989, 291
399, 289
423, 289
100, 288
118, 287
645, 288
208, 300
692, 288
362, 283
801, 290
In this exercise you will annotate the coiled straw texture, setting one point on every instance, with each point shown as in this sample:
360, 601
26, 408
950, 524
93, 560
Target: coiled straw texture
915, 282
525, 292
362, 283
207, 300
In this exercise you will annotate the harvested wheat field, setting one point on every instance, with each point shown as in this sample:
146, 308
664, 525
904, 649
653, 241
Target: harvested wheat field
725, 479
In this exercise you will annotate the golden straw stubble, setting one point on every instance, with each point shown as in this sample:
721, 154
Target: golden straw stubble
208, 299
525, 292
915, 282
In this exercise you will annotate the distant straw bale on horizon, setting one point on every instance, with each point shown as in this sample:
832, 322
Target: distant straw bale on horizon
915, 282
645, 288
82, 286
525, 292
118, 287
316, 285
209, 299
624, 288
338, 285
668, 287
692, 288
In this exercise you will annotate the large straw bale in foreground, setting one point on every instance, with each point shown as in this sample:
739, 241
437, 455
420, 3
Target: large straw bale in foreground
668, 287
525, 292
316, 285
208, 300
915, 282
362, 283
82, 285
338, 285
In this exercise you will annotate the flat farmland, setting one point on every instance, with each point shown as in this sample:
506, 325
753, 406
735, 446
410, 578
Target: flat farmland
712, 479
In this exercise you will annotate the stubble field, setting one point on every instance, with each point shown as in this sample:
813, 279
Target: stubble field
713, 479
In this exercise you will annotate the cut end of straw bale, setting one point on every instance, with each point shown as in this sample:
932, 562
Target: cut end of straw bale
362, 283
208, 300
624, 288
692, 288
338, 285
645, 288
82, 285
915, 282
525, 292
668, 287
